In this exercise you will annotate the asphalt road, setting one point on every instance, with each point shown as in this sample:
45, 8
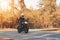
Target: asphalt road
32, 35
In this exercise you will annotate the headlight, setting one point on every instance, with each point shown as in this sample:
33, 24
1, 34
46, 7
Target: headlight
26, 22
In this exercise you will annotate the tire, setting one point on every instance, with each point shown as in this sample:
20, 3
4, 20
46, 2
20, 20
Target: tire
26, 30
19, 30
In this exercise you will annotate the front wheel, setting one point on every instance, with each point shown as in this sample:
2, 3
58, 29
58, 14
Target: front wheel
26, 30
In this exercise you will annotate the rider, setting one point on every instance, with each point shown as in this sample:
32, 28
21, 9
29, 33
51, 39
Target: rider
23, 24
21, 20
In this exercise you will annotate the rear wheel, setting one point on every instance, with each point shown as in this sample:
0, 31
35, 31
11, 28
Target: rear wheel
19, 30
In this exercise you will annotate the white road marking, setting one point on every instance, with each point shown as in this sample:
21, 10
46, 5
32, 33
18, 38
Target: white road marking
37, 36
31, 35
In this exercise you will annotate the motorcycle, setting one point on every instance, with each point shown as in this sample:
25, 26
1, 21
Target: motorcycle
23, 27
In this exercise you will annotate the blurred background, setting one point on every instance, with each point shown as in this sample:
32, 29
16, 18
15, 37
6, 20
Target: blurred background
41, 13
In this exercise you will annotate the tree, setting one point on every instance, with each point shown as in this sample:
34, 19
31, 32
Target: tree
49, 6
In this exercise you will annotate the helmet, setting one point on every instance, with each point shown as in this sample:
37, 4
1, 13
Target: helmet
22, 14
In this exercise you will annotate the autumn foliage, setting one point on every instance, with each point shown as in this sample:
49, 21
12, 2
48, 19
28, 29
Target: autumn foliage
48, 17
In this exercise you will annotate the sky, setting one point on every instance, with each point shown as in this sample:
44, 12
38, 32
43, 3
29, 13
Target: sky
34, 3
58, 1
31, 3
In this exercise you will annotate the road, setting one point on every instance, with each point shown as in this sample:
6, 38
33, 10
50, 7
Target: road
32, 35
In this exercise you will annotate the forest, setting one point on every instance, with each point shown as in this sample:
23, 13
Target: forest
47, 16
